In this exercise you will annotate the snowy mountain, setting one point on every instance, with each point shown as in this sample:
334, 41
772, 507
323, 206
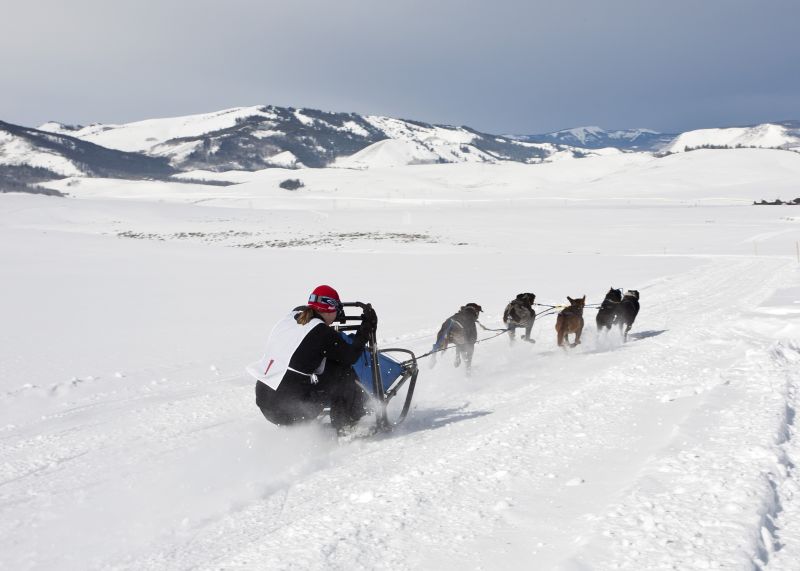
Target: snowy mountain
254, 138
598, 138
780, 135
262, 137
48, 155
783, 135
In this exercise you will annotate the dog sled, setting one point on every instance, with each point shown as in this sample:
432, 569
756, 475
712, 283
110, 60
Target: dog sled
381, 372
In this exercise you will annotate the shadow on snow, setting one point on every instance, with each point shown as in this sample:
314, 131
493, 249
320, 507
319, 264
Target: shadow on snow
431, 419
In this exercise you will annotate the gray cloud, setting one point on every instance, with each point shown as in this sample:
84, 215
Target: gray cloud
505, 66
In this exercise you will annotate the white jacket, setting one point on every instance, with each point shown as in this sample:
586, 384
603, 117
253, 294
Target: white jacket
284, 339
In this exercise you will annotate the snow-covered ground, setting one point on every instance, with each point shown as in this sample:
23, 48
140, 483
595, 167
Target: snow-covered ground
130, 437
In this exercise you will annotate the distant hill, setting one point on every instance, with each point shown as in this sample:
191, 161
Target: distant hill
64, 155
254, 138
778, 135
781, 135
598, 138
260, 137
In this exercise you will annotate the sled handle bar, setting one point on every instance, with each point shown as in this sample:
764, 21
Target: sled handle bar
342, 318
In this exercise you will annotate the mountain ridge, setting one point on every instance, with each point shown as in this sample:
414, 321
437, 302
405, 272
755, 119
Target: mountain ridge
29, 156
261, 137
594, 137
250, 138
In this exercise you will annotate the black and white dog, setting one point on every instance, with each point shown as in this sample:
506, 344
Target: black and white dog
459, 329
627, 311
519, 313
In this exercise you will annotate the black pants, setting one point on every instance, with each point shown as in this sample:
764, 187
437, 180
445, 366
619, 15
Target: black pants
298, 400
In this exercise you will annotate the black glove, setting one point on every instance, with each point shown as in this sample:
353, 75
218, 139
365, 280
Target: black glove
369, 320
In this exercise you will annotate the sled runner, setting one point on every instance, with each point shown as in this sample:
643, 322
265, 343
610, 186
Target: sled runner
379, 372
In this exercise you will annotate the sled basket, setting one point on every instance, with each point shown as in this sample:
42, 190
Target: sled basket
394, 375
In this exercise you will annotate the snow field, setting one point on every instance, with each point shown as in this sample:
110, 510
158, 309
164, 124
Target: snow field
131, 439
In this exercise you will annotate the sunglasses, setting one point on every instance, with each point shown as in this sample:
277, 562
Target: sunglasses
325, 300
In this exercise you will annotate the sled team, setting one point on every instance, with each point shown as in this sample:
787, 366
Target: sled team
308, 365
459, 329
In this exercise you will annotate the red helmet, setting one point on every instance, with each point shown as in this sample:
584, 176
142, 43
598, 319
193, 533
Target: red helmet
324, 298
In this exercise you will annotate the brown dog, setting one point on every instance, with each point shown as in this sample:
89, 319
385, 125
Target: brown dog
570, 320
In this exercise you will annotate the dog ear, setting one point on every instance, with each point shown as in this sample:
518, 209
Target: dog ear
570, 299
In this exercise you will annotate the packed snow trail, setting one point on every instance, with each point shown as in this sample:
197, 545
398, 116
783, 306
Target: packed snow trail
597, 456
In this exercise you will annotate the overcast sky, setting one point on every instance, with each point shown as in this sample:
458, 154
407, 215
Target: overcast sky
500, 66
